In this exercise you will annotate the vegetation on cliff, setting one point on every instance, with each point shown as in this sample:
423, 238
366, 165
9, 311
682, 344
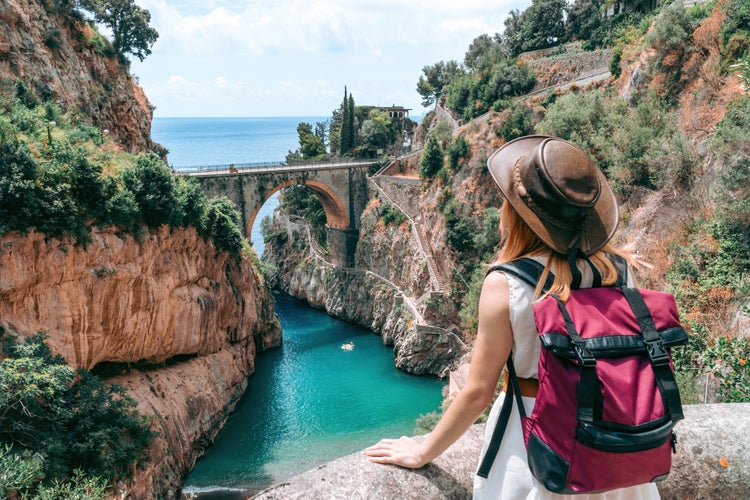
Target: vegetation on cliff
674, 145
60, 175
63, 431
128, 23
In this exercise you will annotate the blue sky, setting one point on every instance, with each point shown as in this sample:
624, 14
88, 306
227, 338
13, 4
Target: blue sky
294, 57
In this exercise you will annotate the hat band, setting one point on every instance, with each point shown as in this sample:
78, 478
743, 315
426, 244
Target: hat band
541, 212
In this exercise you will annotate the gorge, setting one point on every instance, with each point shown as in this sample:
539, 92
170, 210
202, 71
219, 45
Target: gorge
179, 322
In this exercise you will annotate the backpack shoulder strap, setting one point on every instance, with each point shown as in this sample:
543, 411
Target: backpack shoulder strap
527, 270
514, 392
622, 269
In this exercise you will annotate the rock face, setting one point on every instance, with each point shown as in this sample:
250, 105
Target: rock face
197, 315
373, 298
189, 403
61, 58
708, 433
121, 301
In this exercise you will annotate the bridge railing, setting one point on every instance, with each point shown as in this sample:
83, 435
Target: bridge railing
271, 165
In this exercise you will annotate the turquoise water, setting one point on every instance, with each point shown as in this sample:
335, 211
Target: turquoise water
310, 402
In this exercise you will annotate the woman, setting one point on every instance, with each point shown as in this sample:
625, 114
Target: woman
557, 207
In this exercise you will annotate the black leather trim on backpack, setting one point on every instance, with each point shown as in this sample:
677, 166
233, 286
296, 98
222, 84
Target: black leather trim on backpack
594, 436
611, 346
543, 458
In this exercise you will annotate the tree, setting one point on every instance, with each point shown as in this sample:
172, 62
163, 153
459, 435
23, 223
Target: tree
514, 34
222, 223
432, 160
153, 186
584, 18
544, 25
69, 419
352, 131
436, 78
131, 32
346, 141
376, 131
483, 52
311, 146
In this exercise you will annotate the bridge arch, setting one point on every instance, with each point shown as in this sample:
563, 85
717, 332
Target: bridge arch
337, 215
341, 188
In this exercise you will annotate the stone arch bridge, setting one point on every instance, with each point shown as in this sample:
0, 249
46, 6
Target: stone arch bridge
341, 187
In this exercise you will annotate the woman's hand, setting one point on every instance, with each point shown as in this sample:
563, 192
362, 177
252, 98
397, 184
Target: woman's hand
404, 451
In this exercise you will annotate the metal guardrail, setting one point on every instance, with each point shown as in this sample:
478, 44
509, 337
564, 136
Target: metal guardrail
267, 166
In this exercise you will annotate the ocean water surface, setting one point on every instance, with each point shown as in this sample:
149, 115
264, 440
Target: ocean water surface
309, 401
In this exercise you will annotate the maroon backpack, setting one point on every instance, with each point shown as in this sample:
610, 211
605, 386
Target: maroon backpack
607, 399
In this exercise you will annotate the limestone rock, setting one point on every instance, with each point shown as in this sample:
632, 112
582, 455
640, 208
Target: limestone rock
57, 57
119, 300
713, 454
708, 434
449, 477
429, 350
188, 403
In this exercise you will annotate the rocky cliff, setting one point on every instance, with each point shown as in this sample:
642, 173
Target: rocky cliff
377, 293
62, 58
191, 317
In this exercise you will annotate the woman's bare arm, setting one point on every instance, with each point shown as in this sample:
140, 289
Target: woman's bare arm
491, 349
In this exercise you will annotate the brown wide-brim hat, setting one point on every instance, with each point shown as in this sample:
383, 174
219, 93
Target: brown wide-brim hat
558, 190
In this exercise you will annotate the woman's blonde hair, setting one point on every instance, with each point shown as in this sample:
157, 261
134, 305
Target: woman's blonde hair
518, 240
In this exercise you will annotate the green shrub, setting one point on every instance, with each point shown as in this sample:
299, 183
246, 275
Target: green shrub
426, 423
518, 122
474, 94
727, 360
121, 207
392, 216
487, 240
614, 63
192, 201
459, 229
459, 150
432, 160
221, 223
68, 419
737, 21
671, 40
575, 117
637, 144
302, 201
152, 183
732, 135
18, 189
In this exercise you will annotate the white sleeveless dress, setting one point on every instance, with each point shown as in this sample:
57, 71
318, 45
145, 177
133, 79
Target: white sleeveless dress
510, 477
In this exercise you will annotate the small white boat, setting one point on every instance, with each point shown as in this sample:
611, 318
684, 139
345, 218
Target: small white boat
349, 346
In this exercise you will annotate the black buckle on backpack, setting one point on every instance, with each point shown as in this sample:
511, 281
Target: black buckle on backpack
585, 358
657, 352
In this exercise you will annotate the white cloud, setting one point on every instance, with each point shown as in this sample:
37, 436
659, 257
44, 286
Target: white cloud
320, 26
286, 57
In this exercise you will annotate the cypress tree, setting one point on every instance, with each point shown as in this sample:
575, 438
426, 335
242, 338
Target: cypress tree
351, 135
344, 137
